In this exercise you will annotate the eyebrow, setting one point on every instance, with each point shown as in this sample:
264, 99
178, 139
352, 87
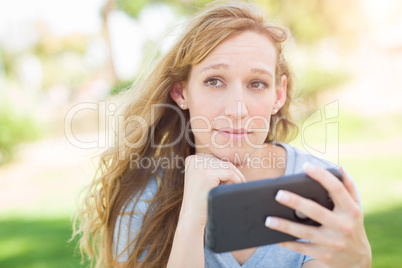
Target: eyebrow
226, 66
215, 66
261, 71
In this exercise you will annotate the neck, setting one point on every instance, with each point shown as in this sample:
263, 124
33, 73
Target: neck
268, 162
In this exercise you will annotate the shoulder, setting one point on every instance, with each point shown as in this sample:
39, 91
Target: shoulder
140, 201
295, 159
136, 207
129, 222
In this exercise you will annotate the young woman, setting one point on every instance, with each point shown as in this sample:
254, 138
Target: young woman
214, 110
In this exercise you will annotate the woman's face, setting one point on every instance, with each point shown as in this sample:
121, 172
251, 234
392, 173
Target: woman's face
231, 95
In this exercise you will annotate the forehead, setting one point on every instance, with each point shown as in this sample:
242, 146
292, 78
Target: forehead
250, 49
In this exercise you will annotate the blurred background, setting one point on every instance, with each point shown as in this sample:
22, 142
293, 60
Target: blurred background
62, 63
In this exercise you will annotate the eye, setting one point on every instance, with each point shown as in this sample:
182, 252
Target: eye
258, 85
213, 82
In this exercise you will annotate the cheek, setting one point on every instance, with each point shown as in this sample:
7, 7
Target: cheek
200, 124
262, 109
260, 116
202, 105
201, 117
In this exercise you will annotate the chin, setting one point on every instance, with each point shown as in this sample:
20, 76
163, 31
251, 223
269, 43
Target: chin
236, 156
235, 152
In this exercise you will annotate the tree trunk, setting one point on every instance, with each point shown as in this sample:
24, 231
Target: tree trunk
109, 6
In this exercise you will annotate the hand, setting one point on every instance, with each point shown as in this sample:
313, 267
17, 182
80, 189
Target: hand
204, 172
341, 240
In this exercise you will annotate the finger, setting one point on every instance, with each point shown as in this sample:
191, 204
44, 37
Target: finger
196, 160
350, 186
225, 165
238, 172
228, 175
333, 185
308, 207
310, 233
205, 154
304, 248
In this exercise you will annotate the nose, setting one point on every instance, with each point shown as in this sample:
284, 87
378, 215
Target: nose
235, 104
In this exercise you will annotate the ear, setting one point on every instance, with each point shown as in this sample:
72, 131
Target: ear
281, 93
178, 94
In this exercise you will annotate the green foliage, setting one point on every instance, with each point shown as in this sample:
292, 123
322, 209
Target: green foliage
5, 61
120, 86
15, 128
372, 128
132, 8
312, 20
54, 46
316, 78
309, 20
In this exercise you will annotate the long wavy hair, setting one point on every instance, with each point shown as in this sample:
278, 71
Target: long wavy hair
144, 133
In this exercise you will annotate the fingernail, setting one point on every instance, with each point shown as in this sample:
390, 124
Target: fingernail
281, 196
271, 222
308, 167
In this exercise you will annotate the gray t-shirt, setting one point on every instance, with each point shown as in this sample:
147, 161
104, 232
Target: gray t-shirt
265, 256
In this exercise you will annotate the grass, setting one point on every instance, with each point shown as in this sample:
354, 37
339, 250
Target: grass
37, 244
29, 242
379, 181
384, 232
43, 243
378, 175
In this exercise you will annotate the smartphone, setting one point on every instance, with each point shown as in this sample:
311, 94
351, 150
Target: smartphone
237, 212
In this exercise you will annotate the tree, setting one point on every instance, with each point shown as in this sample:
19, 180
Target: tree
109, 6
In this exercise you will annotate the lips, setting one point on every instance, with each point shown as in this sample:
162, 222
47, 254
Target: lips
234, 131
233, 134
